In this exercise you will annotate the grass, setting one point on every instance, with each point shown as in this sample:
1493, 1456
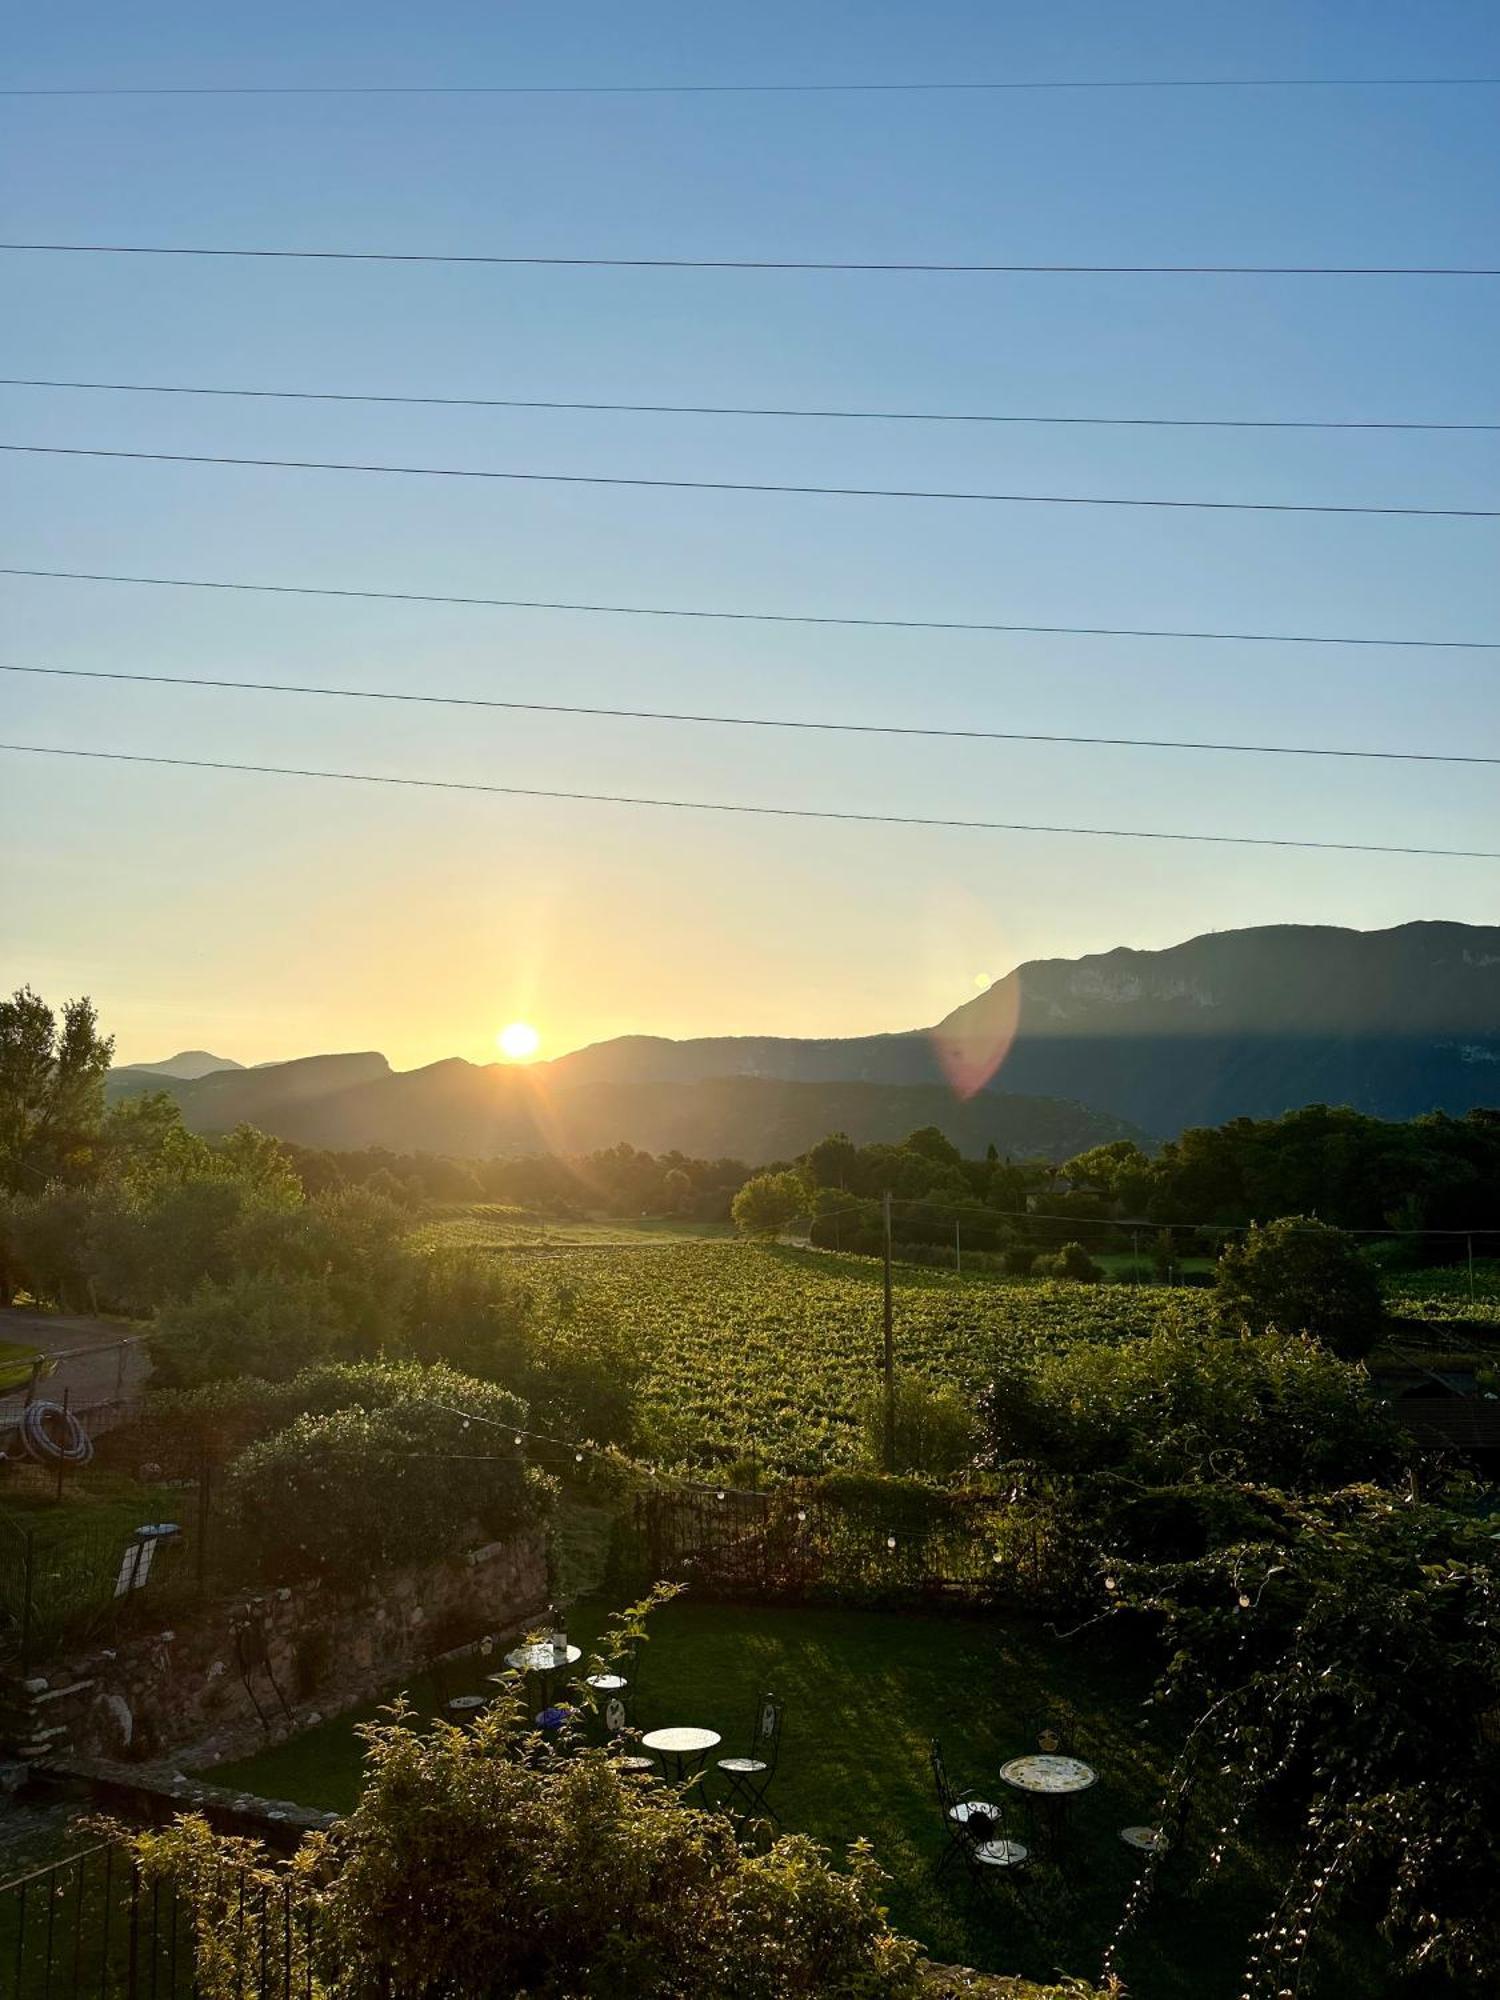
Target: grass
864, 1692
495, 1226
15, 1364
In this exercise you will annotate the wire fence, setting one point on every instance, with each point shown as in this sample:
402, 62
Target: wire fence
92, 1924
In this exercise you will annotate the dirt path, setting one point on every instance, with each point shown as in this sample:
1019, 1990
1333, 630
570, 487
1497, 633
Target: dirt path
96, 1361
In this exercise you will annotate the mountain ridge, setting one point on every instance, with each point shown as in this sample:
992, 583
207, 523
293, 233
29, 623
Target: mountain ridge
1058, 1054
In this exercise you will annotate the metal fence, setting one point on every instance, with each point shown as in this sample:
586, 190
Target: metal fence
102, 1385
877, 1547
93, 1925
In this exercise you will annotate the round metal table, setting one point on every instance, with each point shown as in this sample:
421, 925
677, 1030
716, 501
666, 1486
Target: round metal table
678, 1748
545, 1661
1051, 1782
1145, 1839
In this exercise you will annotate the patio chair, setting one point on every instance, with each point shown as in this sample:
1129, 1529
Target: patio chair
991, 1849
617, 1678
959, 1810
747, 1778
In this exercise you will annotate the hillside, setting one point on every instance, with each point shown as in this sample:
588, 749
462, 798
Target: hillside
472, 1112
186, 1065
1246, 1023
1058, 1055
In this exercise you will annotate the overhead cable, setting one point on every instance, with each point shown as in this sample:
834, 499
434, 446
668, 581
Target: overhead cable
905, 88
884, 265
841, 620
743, 721
727, 806
505, 475
749, 410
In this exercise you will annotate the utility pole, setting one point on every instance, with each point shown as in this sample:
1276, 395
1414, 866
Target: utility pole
1471, 1269
890, 1343
958, 1245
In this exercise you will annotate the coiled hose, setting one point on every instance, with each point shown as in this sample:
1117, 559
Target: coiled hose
54, 1435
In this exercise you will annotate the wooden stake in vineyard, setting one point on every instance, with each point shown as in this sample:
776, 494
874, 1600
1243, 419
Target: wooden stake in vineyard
890, 1344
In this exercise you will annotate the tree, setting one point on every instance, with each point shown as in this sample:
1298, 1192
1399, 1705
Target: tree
1344, 1672
768, 1202
1300, 1276
832, 1162
51, 1090
933, 1145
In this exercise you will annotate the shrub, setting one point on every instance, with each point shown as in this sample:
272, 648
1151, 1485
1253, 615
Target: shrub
354, 1491
478, 1863
1184, 1405
934, 1427
1019, 1259
1300, 1276
1072, 1261
267, 1327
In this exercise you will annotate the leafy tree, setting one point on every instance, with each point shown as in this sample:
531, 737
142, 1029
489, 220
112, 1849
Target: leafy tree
1071, 1261
933, 1145
51, 1090
833, 1161
768, 1202
256, 1324
1303, 1277
1343, 1675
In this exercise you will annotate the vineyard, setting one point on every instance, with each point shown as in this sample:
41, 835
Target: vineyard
765, 1353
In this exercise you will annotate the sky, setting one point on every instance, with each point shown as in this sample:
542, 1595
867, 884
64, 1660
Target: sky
266, 917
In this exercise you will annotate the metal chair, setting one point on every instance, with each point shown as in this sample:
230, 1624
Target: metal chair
616, 1679
746, 1778
969, 1820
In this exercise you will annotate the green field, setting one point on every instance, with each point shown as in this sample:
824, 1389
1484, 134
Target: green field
493, 1226
766, 1352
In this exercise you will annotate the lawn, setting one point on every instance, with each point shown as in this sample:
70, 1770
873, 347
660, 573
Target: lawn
495, 1226
864, 1692
15, 1364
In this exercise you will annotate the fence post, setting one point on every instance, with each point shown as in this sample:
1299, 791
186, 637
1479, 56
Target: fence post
60, 1459
28, 1585
205, 1480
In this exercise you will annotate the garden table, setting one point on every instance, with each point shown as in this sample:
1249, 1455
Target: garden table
543, 1660
680, 1747
1051, 1781
1145, 1839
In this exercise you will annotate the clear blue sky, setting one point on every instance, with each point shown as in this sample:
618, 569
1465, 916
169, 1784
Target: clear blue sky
267, 918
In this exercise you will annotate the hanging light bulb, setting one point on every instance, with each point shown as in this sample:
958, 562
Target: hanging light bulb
518, 1437
578, 1458
1244, 1601
1110, 1583
720, 1494
890, 1541
802, 1514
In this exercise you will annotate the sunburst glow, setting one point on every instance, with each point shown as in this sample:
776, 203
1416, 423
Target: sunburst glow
518, 1042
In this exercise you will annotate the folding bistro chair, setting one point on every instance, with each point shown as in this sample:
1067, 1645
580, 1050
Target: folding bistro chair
959, 1809
748, 1777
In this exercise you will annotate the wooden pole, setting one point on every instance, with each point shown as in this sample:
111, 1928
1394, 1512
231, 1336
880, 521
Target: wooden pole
890, 1344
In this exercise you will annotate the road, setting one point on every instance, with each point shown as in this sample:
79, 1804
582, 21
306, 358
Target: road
89, 1360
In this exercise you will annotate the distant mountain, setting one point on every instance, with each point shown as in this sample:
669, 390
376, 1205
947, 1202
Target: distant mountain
1243, 1023
187, 1064
1058, 1055
470, 1111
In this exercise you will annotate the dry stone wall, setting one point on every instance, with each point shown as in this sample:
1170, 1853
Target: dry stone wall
278, 1660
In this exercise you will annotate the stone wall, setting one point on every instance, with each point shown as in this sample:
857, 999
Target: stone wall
263, 1665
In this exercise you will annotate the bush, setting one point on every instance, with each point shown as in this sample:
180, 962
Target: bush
476, 1863
1072, 1261
1183, 1405
355, 1491
1300, 1276
934, 1427
768, 1202
259, 1326
1019, 1259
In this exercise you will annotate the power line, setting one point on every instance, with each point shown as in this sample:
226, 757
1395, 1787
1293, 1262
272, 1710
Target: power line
753, 485
1024, 84
757, 811
748, 410
744, 721
754, 617
887, 265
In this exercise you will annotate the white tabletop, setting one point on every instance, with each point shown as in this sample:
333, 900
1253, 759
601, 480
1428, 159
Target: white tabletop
682, 1742
542, 1659
1147, 1838
1048, 1774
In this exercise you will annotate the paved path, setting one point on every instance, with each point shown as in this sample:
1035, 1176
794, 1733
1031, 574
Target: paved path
95, 1360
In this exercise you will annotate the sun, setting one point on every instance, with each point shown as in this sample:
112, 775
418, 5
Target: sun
518, 1042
